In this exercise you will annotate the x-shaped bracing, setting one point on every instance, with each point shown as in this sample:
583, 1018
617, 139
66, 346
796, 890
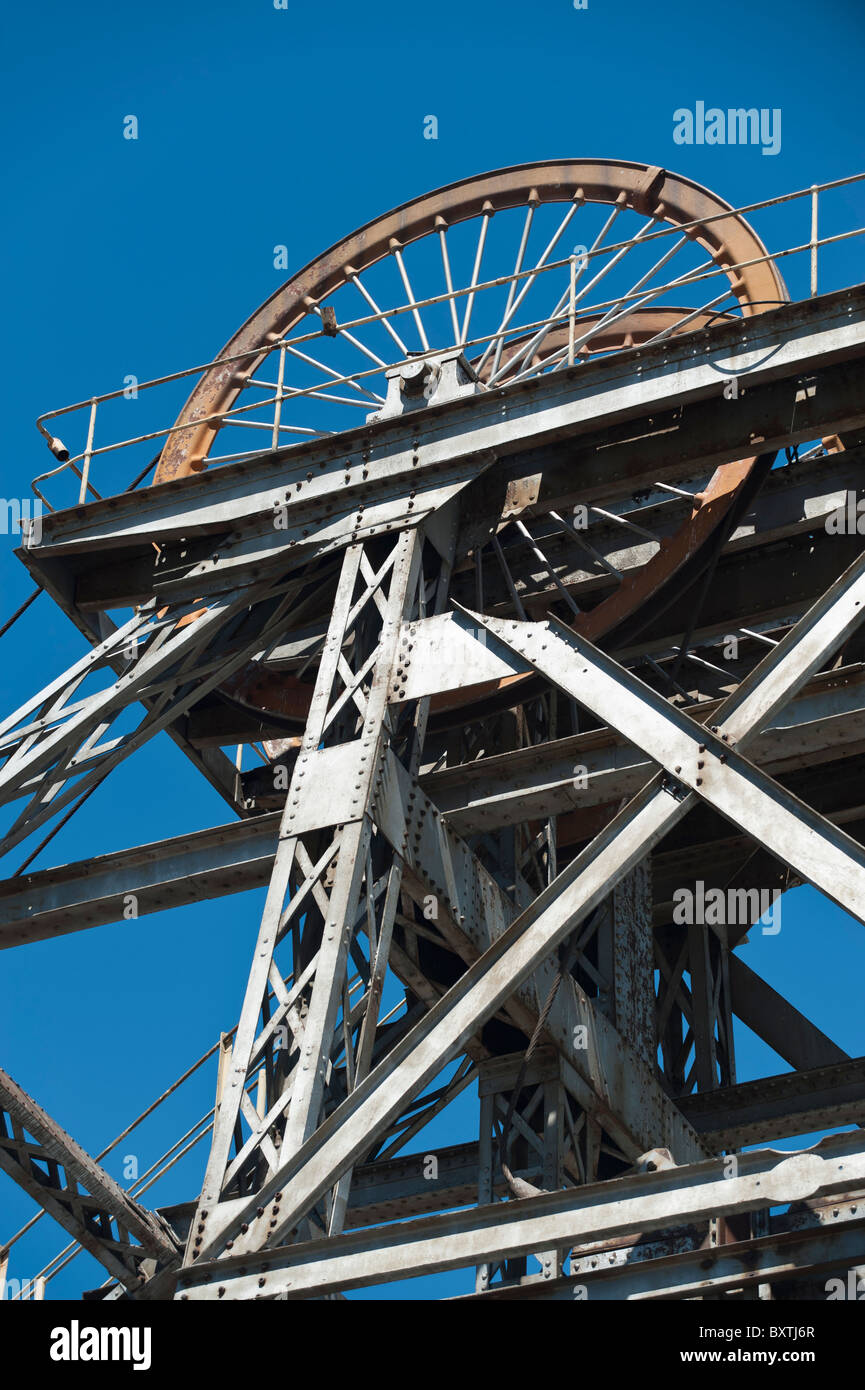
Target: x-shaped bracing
696, 764
43, 1159
53, 747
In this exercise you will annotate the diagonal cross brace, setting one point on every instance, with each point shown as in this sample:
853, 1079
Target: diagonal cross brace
536, 933
103, 1218
606, 1076
50, 759
350, 831
703, 760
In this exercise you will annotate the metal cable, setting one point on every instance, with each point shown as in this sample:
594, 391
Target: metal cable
23, 609
59, 826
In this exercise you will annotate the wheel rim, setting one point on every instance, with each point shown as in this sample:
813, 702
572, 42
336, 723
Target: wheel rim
626, 190
618, 193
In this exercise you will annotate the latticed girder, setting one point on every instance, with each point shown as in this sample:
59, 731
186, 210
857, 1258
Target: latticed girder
333, 872
132, 1243
382, 864
54, 746
297, 1182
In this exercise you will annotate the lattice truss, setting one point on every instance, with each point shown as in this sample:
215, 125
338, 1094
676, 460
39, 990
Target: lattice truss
491, 743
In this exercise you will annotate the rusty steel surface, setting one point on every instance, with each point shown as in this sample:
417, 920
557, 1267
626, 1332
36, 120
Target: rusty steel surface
428, 722
645, 189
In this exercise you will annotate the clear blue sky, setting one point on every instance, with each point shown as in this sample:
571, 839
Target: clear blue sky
259, 127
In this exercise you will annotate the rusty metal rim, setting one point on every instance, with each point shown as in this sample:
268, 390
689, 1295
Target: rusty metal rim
644, 189
639, 327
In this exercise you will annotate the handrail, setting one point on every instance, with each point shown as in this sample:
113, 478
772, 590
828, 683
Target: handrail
284, 345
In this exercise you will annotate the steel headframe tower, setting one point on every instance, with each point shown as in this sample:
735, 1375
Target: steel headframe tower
540, 646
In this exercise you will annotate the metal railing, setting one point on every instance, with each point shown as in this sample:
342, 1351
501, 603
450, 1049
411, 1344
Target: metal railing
566, 317
160, 1166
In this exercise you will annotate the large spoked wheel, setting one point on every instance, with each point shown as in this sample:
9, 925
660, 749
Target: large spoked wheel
637, 254
448, 247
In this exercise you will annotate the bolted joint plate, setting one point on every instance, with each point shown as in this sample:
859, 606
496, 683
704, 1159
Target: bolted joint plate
330, 787
422, 381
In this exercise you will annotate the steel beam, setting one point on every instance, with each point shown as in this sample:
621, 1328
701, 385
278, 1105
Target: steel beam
703, 761
642, 1202
395, 1188
778, 1023
131, 883
706, 1272
776, 1107
826, 719
129, 1241
770, 348
796, 498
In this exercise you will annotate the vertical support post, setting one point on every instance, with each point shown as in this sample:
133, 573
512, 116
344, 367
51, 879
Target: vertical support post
277, 409
814, 239
351, 866
238, 765
554, 1103
88, 450
538, 1143
592, 1148
572, 302
333, 880
626, 961
760, 1227
725, 1015
703, 1005
483, 1273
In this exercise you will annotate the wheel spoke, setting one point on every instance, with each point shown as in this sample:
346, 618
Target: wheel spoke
475, 272
350, 338
688, 318
385, 321
499, 342
442, 231
337, 376
627, 523
539, 554
509, 579
586, 544
595, 246
604, 271
530, 279
397, 253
